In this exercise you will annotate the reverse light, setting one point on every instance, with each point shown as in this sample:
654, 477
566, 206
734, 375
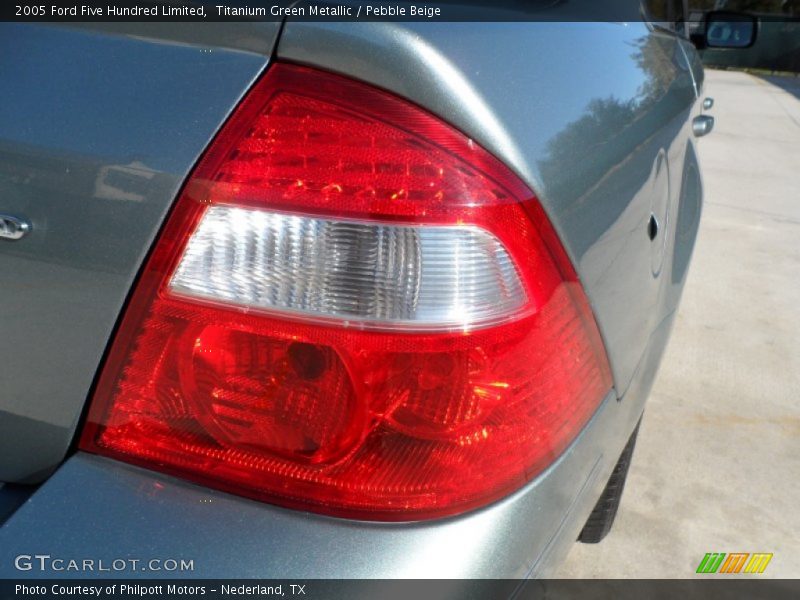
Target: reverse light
386, 274
352, 309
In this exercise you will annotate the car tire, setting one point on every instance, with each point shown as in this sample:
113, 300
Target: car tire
605, 511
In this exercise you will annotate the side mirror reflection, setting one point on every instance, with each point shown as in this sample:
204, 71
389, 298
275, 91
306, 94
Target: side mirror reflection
730, 30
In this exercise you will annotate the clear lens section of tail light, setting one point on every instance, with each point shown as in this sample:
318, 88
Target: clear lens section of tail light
352, 309
365, 273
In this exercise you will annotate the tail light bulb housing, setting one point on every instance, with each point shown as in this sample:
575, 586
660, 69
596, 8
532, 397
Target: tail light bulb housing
352, 309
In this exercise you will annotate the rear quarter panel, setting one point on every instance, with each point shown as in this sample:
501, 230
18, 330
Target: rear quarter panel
593, 116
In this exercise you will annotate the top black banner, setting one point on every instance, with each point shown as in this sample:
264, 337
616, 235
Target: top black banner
311, 10
341, 10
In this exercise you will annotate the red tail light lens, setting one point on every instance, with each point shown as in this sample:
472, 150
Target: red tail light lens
353, 309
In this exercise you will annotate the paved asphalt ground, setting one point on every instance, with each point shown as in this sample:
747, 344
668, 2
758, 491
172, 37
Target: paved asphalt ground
717, 465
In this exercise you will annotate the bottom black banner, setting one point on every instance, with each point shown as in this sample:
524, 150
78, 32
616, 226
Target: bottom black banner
618, 589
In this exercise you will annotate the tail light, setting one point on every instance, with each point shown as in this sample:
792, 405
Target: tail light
352, 309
